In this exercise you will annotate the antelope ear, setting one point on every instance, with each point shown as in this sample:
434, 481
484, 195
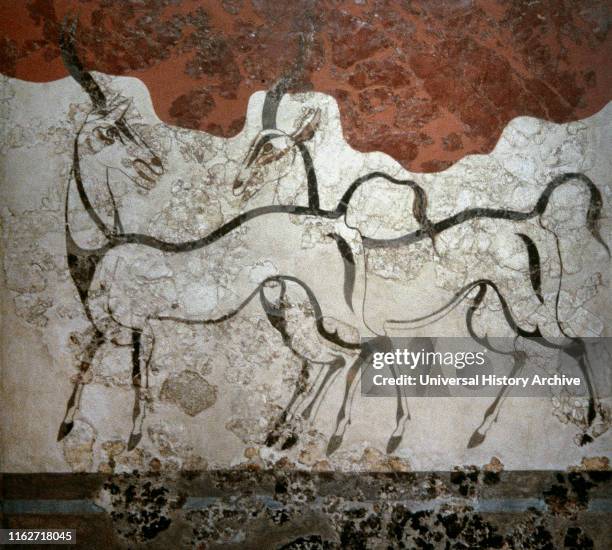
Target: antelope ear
121, 107
309, 127
115, 111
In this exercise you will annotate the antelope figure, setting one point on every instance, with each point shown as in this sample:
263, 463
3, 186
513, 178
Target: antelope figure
336, 267
272, 144
114, 146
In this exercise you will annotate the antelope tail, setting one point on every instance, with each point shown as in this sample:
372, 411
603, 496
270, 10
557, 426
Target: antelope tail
349, 268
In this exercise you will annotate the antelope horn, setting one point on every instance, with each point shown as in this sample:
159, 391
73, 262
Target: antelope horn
274, 96
75, 67
271, 103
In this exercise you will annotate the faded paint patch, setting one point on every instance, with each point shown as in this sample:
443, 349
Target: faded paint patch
190, 391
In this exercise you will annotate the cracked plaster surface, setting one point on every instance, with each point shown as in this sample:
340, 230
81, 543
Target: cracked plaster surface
243, 362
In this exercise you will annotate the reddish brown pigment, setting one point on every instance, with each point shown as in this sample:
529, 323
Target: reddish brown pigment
425, 81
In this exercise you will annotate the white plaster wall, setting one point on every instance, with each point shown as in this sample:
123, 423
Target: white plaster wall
241, 365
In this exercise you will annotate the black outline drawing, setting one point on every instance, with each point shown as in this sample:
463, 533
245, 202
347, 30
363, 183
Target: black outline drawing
83, 263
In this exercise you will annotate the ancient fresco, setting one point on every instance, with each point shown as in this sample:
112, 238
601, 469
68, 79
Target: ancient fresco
201, 301
426, 82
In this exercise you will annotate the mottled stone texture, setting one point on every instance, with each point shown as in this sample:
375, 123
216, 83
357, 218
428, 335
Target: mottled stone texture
426, 82
190, 392
465, 508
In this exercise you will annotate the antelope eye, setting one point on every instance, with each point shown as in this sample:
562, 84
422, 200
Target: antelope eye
104, 135
268, 148
107, 135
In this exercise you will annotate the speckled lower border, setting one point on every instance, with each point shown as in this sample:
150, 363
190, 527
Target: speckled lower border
464, 508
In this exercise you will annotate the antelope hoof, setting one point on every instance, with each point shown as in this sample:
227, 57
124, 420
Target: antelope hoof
476, 439
64, 430
291, 440
271, 439
133, 441
393, 443
334, 443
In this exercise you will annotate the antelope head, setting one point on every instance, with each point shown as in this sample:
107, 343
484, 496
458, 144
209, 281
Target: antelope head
272, 153
107, 134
